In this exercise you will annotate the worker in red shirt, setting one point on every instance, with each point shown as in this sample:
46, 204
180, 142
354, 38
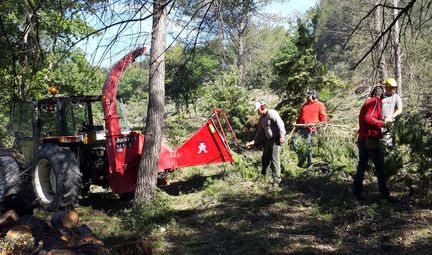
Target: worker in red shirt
312, 112
369, 134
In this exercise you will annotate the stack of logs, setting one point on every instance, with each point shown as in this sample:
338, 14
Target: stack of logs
58, 235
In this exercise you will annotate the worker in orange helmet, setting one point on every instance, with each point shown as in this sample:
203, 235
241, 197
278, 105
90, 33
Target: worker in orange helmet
312, 112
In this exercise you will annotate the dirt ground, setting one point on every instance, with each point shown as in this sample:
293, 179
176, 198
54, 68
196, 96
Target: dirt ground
310, 214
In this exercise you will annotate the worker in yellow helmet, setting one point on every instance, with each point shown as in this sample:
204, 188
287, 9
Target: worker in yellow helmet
391, 106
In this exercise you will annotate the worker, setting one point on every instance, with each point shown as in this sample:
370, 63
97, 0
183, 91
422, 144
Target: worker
312, 112
271, 134
391, 107
369, 134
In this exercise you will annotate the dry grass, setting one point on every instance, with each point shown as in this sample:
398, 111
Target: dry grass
219, 213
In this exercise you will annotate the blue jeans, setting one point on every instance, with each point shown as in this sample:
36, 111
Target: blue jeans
366, 152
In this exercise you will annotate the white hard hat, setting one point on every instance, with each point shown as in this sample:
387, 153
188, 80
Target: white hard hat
258, 105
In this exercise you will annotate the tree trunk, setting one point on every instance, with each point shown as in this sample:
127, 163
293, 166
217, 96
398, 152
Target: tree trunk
241, 52
147, 173
379, 24
241, 32
397, 49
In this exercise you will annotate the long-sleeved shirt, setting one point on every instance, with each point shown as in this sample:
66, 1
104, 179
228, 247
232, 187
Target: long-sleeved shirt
270, 126
390, 104
369, 119
311, 113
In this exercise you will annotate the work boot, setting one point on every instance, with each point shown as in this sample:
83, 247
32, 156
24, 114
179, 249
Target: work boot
359, 197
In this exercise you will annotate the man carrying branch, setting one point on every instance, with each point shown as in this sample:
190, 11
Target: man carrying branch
312, 112
369, 134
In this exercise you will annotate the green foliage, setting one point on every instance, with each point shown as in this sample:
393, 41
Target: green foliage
187, 71
248, 166
331, 146
75, 76
289, 160
265, 42
297, 70
134, 83
223, 93
302, 148
392, 158
411, 129
175, 130
34, 44
143, 218
337, 148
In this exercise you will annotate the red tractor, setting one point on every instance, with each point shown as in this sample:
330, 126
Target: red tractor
68, 150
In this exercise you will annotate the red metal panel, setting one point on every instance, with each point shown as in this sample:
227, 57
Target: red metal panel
206, 146
128, 156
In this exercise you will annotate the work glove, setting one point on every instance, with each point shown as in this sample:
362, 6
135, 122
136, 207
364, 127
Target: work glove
282, 140
250, 144
388, 119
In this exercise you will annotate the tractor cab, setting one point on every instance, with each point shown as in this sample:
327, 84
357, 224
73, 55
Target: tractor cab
71, 121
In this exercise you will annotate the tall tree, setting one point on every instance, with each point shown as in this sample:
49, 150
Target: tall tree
147, 174
34, 35
229, 21
379, 51
397, 51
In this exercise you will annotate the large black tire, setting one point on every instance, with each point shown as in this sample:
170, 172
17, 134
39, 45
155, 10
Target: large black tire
56, 177
10, 178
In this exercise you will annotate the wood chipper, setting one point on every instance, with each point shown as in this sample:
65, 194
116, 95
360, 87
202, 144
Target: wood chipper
67, 150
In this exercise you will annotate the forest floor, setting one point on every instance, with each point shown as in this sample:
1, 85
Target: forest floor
315, 213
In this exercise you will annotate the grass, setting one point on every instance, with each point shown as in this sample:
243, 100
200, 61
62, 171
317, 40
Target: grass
217, 210
309, 214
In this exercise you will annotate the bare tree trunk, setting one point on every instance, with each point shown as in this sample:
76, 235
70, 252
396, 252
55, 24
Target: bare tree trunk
241, 32
379, 24
241, 52
147, 173
397, 49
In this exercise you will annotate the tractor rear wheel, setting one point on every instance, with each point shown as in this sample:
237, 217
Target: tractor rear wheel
56, 177
10, 178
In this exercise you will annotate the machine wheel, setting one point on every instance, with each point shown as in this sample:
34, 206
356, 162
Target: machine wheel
56, 177
10, 178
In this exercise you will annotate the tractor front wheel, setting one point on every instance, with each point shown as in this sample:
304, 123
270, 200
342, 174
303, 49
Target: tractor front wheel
56, 177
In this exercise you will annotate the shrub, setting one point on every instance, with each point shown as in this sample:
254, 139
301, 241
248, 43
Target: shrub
224, 94
248, 166
337, 147
413, 130
175, 130
331, 145
143, 218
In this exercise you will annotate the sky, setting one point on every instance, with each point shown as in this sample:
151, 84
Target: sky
290, 7
95, 47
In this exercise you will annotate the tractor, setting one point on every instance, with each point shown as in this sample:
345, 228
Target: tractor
68, 144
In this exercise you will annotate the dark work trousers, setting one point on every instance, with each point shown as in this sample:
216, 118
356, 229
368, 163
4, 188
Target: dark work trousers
306, 134
271, 154
364, 155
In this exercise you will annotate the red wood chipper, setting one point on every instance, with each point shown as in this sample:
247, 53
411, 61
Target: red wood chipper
68, 151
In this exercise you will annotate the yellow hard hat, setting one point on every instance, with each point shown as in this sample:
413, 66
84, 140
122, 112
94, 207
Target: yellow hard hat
390, 82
